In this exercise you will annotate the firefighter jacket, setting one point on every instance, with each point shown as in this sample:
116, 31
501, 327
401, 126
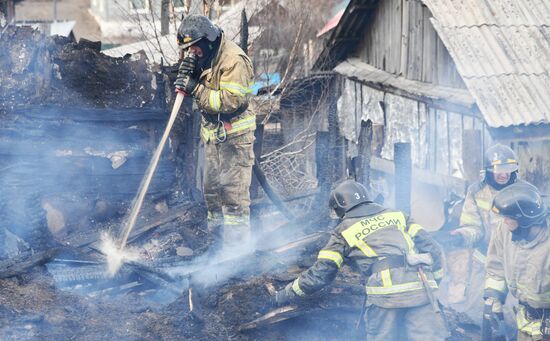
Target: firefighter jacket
368, 235
222, 94
477, 219
523, 268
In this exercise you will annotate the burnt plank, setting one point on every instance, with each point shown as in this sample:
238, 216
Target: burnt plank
20, 264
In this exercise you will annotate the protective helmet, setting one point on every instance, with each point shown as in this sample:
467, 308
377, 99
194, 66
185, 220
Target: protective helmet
522, 202
195, 27
346, 196
500, 159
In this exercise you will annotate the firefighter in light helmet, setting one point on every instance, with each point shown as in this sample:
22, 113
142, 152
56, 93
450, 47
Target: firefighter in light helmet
387, 248
477, 223
218, 75
500, 166
518, 260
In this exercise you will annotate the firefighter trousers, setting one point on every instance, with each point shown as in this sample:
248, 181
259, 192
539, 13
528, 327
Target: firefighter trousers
226, 186
416, 323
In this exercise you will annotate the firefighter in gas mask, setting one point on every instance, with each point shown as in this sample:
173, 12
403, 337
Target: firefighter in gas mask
518, 260
218, 75
477, 223
390, 251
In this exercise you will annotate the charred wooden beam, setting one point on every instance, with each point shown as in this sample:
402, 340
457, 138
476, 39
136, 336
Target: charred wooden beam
18, 265
274, 316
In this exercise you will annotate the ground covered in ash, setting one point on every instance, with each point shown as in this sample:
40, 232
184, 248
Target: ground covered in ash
33, 308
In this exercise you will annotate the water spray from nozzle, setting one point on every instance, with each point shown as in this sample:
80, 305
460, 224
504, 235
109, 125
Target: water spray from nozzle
115, 253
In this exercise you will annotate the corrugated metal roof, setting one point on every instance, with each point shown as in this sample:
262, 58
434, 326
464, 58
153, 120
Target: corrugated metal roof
494, 12
502, 51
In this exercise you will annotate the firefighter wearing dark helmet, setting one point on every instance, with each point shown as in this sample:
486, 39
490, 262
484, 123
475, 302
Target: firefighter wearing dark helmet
218, 75
518, 260
387, 247
477, 223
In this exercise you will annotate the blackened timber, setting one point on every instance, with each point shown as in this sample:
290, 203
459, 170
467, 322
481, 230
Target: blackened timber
22, 263
274, 316
244, 31
362, 162
258, 142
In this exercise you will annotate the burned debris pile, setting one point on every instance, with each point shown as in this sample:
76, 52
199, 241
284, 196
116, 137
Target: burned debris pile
40, 70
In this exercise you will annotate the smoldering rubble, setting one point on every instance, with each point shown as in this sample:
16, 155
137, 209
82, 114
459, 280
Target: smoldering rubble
78, 129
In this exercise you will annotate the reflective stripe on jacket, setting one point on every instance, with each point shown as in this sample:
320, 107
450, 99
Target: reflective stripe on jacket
521, 267
366, 240
223, 130
528, 326
223, 90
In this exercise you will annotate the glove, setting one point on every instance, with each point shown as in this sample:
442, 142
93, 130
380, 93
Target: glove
284, 296
188, 66
186, 83
465, 234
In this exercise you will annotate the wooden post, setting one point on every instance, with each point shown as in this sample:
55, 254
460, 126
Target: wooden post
334, 141
244, 32
472, 150
402, 163
362, 162
196, 7
405, 39
321, 160
259, 134
164, 17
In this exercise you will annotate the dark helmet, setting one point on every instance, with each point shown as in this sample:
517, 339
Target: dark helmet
347, 195
522, 202
500, 159
195, 27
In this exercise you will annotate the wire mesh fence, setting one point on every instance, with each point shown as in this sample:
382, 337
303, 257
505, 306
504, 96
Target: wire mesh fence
288, 173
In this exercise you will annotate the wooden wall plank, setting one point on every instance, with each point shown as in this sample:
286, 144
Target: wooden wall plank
428, 45
402, 41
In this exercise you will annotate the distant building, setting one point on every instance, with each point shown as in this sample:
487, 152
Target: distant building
127, 21
62, 28
7, 7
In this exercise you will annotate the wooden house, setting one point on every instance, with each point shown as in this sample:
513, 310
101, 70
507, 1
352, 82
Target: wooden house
444, 77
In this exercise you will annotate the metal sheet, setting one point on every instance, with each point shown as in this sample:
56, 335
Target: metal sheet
502, 51
490, 12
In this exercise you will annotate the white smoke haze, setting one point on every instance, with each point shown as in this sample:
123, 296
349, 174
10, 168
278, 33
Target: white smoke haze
216, 267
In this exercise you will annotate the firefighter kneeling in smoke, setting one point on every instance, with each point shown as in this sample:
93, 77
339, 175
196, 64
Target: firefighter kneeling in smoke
518, 260
393, 254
